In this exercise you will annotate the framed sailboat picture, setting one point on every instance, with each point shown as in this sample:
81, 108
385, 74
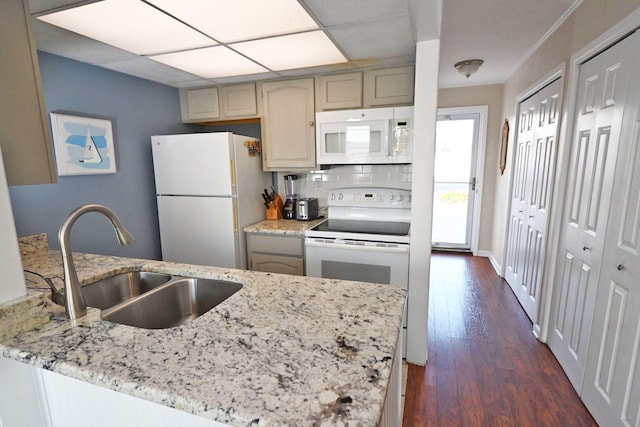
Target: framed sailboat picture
83, 145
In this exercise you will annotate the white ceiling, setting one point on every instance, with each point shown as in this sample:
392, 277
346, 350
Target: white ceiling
369, 32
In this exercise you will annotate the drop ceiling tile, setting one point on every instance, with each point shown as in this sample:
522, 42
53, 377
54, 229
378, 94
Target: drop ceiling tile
336, 12
151, 70
211, 62
61, 42
375, 40
131, 25
230, 21
292, 51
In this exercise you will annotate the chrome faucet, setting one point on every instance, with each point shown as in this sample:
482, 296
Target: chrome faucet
76, 306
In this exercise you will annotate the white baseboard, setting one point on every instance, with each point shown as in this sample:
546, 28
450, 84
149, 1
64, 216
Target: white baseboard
492, 260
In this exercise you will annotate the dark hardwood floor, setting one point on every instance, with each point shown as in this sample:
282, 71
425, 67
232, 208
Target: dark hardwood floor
485, 367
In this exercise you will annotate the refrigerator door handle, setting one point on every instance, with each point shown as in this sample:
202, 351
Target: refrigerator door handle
233, 173
235, 216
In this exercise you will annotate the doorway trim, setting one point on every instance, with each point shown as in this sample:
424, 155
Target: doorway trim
607, 39
483, 111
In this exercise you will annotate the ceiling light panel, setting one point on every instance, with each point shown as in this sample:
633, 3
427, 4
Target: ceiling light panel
211, 62
130, 25
229, 21
292, 51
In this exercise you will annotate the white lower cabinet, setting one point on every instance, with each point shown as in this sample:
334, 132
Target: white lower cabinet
75, 403
275, 254
33, 397
22, 400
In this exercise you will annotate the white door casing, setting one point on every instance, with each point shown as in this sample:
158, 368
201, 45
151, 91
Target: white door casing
600, 102
535, 154
611, 388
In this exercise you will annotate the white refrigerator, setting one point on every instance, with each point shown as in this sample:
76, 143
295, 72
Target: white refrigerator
208, 189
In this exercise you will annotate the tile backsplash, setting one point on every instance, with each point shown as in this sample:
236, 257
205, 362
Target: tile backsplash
319, 183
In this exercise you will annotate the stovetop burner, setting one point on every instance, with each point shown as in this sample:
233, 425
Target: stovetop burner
372, 214
364, 227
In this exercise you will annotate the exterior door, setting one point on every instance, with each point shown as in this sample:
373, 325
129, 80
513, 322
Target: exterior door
611, 388
535, 154
456, 180
602, 92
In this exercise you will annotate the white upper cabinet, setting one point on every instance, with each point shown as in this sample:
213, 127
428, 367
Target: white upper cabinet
233, 102
239, 100
389, 86
288, 125
339, 91
199, 104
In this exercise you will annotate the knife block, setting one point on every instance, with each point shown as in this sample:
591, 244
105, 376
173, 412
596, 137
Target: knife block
275, 209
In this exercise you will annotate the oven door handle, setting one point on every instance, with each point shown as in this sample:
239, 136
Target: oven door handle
393, 249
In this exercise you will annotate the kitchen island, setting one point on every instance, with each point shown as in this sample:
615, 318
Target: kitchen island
283, 351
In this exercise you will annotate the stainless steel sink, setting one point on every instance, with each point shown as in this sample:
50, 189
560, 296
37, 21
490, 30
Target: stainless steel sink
113, 290
172, 303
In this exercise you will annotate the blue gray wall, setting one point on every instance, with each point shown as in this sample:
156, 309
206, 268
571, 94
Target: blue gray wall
138, 109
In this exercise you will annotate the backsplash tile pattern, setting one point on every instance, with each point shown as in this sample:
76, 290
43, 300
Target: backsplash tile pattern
319, 183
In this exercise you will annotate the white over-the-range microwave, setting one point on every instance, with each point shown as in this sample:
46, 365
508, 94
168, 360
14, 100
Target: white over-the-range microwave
365, 136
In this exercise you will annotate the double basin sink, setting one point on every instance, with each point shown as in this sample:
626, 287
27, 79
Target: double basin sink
155, 300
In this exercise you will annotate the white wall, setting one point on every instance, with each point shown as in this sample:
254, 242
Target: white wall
425, 113
11, 277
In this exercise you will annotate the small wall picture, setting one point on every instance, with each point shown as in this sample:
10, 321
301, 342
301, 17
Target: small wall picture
83, 145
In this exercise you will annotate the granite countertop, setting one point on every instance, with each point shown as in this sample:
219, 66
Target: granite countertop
283, 351
290, 227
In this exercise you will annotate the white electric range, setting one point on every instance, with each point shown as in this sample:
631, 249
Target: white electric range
366, 238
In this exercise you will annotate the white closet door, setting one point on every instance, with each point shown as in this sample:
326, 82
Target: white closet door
602, 92
611, 388
531, 194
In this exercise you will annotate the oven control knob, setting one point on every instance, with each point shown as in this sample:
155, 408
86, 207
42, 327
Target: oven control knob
409, 198
332, 196
340, 196
400, 198
392, 197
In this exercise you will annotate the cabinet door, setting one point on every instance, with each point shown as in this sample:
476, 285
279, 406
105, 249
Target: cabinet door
200, 104
281, 245
340, 91
389, 86
276, 264
26, 141
288, 125
239, 100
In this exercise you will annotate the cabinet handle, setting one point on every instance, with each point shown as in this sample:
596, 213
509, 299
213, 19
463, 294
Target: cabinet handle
311, 123
620, 267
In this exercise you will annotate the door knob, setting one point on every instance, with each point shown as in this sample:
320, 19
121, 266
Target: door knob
620, 267
586, 248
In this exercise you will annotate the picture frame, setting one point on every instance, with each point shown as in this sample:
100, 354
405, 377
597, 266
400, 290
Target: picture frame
503, 146
83, 145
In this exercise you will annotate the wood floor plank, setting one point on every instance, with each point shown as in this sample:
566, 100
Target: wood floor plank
485, 367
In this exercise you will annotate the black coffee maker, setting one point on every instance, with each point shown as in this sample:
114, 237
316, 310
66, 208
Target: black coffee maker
291, 190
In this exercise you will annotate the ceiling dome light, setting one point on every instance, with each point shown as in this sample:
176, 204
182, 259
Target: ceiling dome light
468, 66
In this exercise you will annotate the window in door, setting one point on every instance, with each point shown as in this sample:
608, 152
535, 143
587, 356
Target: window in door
456, 181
